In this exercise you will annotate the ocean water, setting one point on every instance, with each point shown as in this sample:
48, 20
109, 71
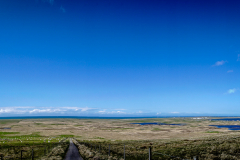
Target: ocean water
74, 117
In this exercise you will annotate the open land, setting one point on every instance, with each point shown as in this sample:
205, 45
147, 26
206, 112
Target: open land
118, 129
195, 137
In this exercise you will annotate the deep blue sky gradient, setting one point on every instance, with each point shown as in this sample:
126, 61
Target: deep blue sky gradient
119, 57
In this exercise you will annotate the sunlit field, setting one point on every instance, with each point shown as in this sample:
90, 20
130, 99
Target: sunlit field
44, 138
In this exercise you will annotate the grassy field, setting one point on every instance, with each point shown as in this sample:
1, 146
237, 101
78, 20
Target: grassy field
221, 147
195, 138
30, 145
13, 144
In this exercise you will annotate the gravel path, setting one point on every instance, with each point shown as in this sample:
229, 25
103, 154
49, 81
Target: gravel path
72, 153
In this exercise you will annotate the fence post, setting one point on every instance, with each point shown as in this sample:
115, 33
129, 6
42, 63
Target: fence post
195, 158
150, 153
99, 148
124, 152
21, 154
109, 150
32, 154
95, 147
1, 157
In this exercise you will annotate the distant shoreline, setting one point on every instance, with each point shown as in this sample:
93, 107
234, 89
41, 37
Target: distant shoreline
77, 117
92, 117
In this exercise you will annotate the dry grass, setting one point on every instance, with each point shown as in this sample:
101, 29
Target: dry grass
122, 129
190, 139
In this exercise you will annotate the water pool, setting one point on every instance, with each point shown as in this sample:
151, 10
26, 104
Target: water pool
230, 127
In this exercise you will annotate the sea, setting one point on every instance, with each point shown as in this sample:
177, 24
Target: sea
98, 117
75, 117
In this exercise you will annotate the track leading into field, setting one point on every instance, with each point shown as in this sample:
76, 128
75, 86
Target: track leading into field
72, 153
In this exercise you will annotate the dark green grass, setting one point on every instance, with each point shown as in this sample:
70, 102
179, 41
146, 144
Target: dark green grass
7, 133
66, 136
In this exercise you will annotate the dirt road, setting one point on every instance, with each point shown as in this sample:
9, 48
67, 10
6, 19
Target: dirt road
72, 153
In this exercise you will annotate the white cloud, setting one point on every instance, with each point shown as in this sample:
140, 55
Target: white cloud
31, 110
46, 111
174, 112
229, 71
62, 9
13, 110
103, 111
230, 91
82, 109
115, 112
71, 108
120, 112
26, 110
10, 110
85, 109
111, 112
219, 63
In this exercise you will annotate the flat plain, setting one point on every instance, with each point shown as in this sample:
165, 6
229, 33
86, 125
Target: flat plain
118, 129
49, 138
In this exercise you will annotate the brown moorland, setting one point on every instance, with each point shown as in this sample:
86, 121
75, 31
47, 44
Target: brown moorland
120, 129
194, 138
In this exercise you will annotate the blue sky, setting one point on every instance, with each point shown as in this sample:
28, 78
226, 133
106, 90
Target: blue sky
119, 57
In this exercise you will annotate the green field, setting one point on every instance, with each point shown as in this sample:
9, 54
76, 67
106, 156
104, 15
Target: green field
30, 145
49, 139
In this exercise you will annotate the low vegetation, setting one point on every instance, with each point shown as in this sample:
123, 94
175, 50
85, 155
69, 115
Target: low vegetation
34, 145
215, 148
94, 136
66, 136
6, 133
